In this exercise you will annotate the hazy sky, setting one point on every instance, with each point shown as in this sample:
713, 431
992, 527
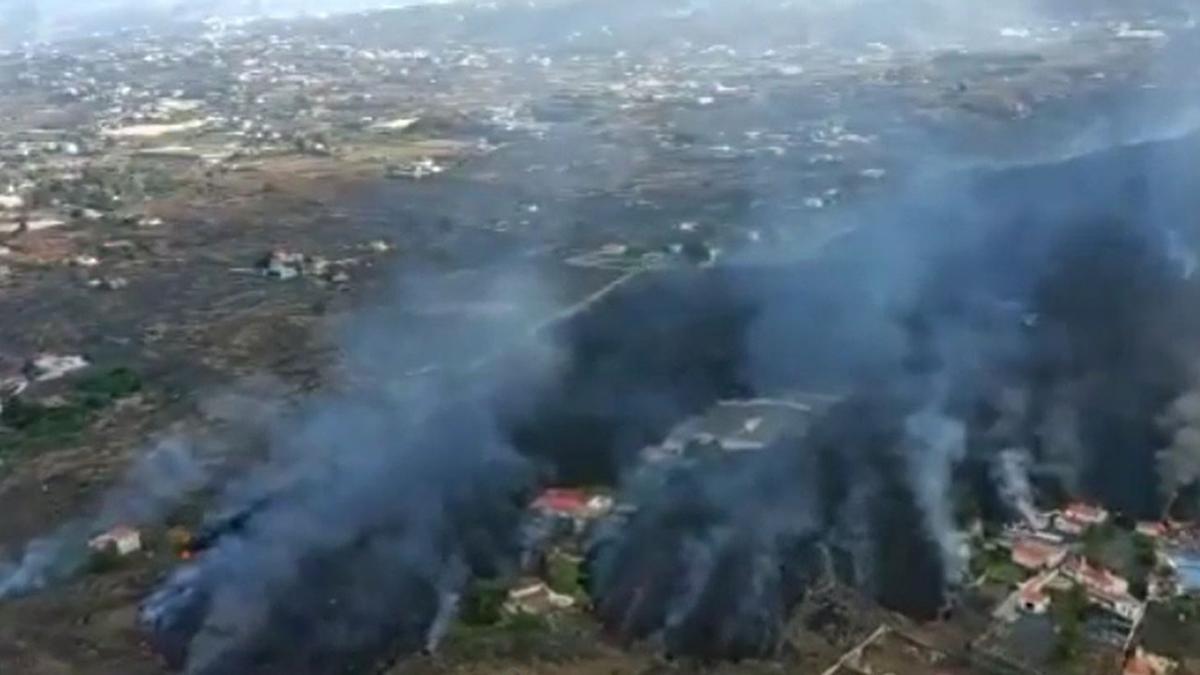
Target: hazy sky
46, 19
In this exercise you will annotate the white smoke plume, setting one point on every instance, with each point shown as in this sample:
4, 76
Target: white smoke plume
939, 444
1011, 473
1179, 462
1063, 450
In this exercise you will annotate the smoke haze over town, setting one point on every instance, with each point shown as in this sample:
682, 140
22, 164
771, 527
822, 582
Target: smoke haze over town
838, 336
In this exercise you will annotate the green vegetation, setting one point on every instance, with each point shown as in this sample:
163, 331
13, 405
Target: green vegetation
483, 603
485, 631
1129, 554
1069, 608
1005, 572
563, 575
103, 188
997, 566
524, 624
1144, 560
519, 636
1096, 542
100, 390
1145, 552
104, 561
34, 425
39, 421
1186, 608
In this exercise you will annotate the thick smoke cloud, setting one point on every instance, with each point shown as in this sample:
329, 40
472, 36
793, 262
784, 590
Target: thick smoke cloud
376, 506
997, 336
1179, 462
1033, 338
710, 586
1026, 346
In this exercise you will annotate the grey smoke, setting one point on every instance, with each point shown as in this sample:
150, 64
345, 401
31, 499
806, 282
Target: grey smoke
714, 556
1182, 255
170, 471
45, 561
1179, 462
396, 480
378, 501
450, 592
156, 483
1063, 452
1011, 473
940, 445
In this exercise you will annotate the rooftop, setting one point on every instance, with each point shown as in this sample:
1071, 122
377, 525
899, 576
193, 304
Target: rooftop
740, 425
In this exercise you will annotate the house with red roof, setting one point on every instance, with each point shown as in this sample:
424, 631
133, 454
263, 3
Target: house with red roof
572, 503
1089, 514
1154, 529
1104, 588
1037, 554
1034, 599
1077, 517
1094, 578
565, 501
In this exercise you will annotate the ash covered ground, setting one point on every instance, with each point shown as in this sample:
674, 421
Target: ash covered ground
600, 337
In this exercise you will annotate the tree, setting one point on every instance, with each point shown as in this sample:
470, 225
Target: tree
1068, 614
1145, 559
484, 602
1145, 552
1094, 539
562, 575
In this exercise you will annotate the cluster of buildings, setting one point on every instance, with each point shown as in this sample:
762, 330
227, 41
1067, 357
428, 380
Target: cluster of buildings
16, 377
561, 515
558, 521
1050, 547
